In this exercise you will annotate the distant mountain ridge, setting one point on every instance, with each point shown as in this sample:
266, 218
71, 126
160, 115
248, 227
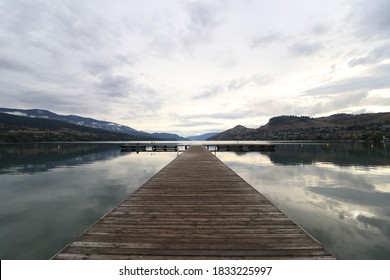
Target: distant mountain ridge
168, 136
15, 128
89, 122
92, 123
373, 126
51, 126
202, 137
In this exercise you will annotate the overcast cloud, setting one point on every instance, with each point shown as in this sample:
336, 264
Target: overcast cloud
192, 67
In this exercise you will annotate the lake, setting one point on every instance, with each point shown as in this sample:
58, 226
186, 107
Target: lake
51, 193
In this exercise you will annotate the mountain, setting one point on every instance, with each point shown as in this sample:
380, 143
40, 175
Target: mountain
238, 132
168, 136
15, 128
73, 119
92, 123
202, 137
371, 127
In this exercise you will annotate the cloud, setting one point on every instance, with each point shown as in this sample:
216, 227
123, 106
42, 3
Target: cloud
202, 18
234, 114
116, 85
12, 65
376, 55
319, 29
97, 67
108, 64
383, 69
140, 59
339, 103
188, 123
201, 15
265, 40
209, 92
52, 25
234, 84
22, 17
124, 60
352, 84
79, 28
305, 49
127, 91
242, 82
371, 18
36, 72
307, 105
58, 101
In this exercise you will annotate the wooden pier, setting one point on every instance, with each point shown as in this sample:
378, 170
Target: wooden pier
195, 208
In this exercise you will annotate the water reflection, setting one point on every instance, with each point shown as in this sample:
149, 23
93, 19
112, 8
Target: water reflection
340, 154
339, 195
38, 157
51, 194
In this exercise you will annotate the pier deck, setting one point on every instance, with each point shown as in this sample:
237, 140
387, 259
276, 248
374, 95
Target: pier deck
195, 208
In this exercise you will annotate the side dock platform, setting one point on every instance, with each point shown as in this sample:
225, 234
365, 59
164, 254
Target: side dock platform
216, 147
195, 208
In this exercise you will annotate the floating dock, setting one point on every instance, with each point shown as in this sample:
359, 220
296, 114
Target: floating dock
195, 208
153, 148
242, 148
137, 147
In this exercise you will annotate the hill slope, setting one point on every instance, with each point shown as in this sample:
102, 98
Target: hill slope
336, 127
92, 123
26, 129
73, 119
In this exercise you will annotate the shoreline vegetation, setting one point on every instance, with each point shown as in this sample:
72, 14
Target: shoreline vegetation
372, 127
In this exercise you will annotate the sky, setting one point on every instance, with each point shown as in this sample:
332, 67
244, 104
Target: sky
191, 67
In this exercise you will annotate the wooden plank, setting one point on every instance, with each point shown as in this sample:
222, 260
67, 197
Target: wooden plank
195, 208
205, 253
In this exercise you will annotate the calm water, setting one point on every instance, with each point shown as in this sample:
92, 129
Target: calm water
339, 193
50, 193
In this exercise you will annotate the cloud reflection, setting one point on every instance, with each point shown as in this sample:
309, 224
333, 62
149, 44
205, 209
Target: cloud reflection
354, 196
45, 206
344, 206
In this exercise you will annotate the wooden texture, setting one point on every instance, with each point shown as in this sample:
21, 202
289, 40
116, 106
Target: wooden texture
195, 208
